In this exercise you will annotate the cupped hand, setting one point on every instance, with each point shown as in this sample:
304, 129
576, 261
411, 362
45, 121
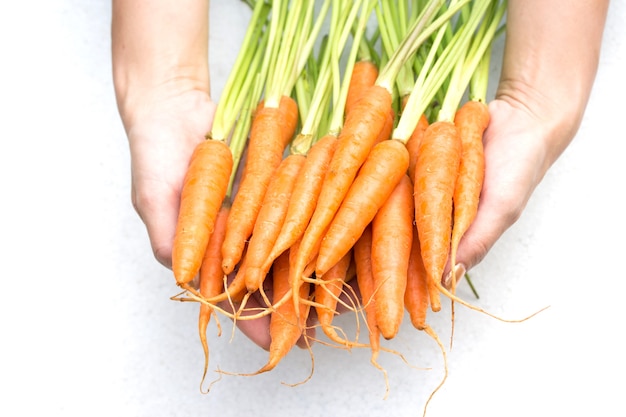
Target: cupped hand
162, 137
521, 142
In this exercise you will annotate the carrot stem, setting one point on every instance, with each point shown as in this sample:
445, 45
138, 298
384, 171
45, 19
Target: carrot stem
424, 26
339, 103
472, 57
237, 84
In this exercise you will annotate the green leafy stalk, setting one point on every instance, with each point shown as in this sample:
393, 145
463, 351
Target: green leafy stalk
480, 78
389, 15
273, 90
444, 65
236, 86
468, 64
421, 30
366, 9
242, 128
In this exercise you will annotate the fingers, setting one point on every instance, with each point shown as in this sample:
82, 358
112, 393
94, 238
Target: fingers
256, 330
514, 165
157, 208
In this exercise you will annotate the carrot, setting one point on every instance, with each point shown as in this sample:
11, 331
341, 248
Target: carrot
360, 131
436, 171
471, 121
416, 293
326, 295
364, 75
383, 169
365, 280
211, 280
269, 220
304, 196
413, 144
272, 129
203, 192
392, 237
286, 326
385, 133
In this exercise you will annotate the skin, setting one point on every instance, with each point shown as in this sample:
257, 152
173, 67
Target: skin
162, 86
550, 61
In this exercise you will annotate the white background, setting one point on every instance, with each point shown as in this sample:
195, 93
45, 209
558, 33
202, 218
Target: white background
88, 328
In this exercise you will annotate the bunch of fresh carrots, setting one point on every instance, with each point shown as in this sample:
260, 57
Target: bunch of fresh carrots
346, 151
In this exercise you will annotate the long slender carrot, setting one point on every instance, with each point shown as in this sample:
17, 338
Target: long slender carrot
272, 129
471, 121
211, 281
304, 196
436, 170
382, 170
365, 280
392, 237
361, 129
326, 294
416, 293
204, 189
286, 326
269, 220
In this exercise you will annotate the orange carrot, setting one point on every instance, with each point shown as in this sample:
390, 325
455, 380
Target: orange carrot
326, 294
364, 75
211, 280
413, 144
379, 175
286, 326
471, 121
272, 129
304, 196
392, 237
416, 293
436, 171
204, 189
269, 220
361, 129
365, 280
385, 133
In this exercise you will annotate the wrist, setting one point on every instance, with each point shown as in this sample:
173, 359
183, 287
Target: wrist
139, 92
159, 50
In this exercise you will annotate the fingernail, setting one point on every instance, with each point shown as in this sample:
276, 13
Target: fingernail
459, 271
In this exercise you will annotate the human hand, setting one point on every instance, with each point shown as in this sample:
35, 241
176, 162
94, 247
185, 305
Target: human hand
522, 141
162, 137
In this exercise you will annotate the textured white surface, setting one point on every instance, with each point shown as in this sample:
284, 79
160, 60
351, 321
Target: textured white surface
88, 328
